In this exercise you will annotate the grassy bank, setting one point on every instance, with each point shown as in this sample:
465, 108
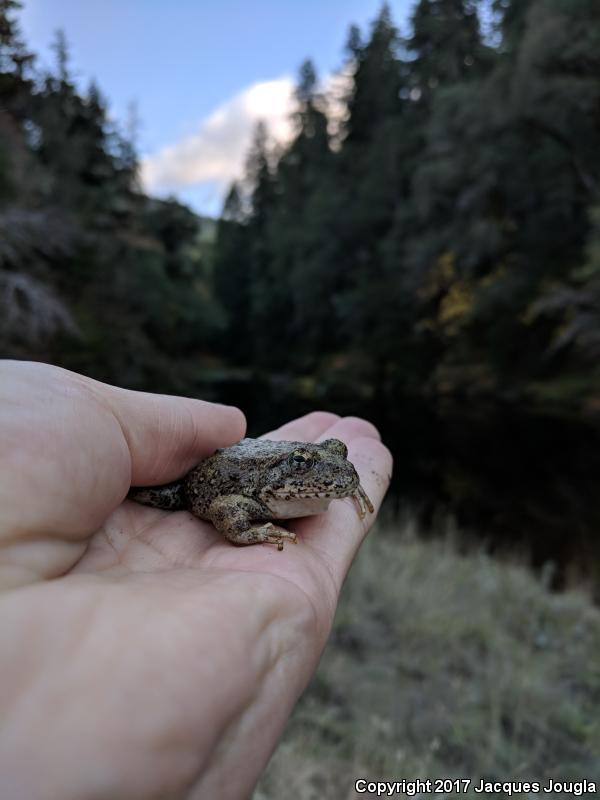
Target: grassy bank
443, 665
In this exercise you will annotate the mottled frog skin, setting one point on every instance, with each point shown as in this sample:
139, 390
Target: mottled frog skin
258, 480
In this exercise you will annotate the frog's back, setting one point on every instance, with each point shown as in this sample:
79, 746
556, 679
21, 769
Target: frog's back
232, 470
251, 452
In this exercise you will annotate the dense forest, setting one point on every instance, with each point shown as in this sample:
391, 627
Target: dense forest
447, 240
425, 251
94, 275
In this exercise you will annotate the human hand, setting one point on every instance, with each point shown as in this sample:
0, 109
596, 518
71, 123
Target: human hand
143, 655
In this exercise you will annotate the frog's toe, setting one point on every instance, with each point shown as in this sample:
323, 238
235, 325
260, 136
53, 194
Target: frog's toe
362, 501
273, 534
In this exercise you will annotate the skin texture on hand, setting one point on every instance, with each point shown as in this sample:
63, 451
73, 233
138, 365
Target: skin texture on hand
144, 656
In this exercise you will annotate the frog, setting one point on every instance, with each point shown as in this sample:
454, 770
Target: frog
241, 489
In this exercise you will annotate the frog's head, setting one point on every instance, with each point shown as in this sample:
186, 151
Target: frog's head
308, 477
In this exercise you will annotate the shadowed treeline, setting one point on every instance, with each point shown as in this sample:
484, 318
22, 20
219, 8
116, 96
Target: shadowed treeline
430, 258
447, 243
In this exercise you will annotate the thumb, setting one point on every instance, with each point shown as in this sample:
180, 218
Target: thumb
166, 436
70, 448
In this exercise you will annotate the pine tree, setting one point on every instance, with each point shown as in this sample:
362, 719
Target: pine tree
301, 165
511, 17
232, 270
299, 231
373, 166
446, 45
264, 292
377, 84
15, 61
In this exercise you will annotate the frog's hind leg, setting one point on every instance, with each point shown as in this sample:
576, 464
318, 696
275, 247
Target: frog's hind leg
233, 515
171, 496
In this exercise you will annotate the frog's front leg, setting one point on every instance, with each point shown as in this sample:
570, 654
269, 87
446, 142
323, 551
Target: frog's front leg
232, 516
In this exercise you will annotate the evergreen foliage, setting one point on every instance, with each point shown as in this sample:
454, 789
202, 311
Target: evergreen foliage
93, 274
435, 245
439, 238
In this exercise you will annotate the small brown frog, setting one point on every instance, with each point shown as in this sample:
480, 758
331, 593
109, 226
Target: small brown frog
258, 480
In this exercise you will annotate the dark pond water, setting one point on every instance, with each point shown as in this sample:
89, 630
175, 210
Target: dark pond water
514, 479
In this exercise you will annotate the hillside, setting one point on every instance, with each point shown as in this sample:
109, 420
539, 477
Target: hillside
445, 666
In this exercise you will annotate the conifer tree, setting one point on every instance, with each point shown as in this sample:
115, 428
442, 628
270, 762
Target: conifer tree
446, 45
300, 232
232, 269
263, 299
372, 166
511, 19
377, 84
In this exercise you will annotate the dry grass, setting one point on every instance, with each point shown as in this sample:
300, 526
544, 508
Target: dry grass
445, 665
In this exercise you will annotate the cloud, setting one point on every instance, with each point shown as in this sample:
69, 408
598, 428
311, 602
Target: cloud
216, 153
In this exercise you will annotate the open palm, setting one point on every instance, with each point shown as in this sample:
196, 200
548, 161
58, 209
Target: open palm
144, 655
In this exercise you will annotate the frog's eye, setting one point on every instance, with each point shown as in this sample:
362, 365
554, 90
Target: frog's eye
299, 461
335, 446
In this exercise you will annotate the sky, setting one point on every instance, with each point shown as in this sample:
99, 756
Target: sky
200, 72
